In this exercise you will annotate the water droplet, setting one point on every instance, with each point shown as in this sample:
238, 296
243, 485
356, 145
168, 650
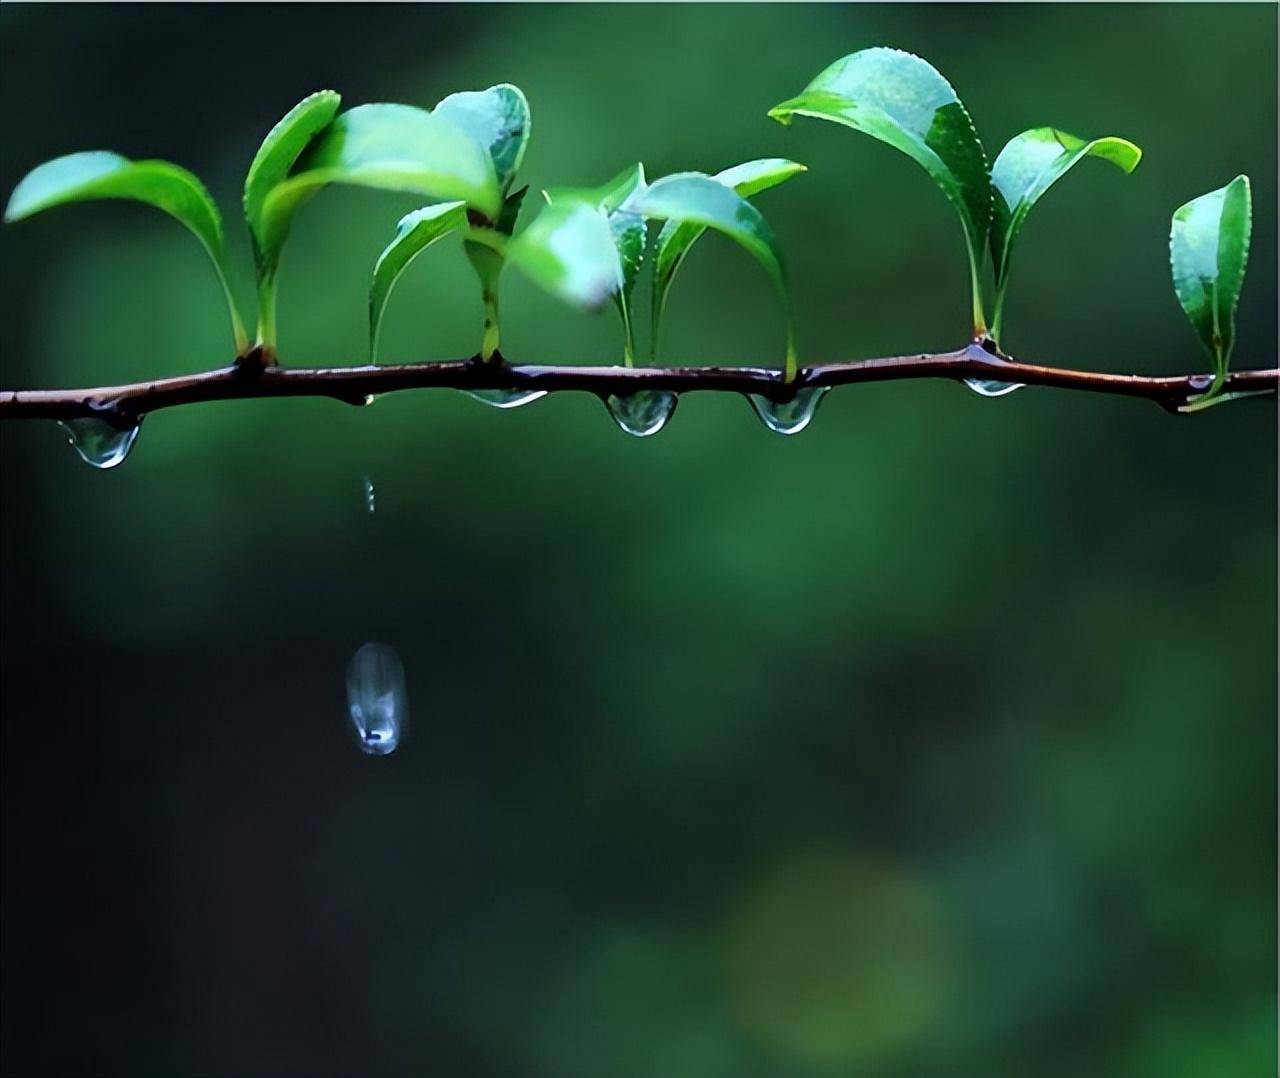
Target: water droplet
505, 398
99, 442
370, 495
369, 398
641, 414
986, 388
1200, 381
376, 698
788, 417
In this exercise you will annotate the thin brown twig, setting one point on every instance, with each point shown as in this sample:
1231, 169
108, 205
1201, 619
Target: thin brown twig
250, 378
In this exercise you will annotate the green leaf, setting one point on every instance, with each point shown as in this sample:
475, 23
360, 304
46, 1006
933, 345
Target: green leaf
498, 119
569, 250
414, 234
283, 145
279, 151
1026, 168
900, 99
1208, 250
84, 177
691, 198
677, 237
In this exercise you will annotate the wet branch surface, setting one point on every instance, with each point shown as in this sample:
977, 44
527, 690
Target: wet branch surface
249, 377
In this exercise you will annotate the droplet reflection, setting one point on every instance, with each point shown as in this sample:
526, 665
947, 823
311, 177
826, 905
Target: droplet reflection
98, 442
641, 414
505, 398
376, 699
791, 416
986, 388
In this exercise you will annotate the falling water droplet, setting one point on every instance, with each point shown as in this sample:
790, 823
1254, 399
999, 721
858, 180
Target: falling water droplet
505, 398
369, 398
792, 416
370, 495
986, 388
376, 698
641, 414
100, 442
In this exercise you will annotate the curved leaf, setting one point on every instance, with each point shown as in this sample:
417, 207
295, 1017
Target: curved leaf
698, 200
414, 234
1026, 168
99, 174
1208, 251
569, 250
498, 119
677, 237
902, 100
392, 148
283, 145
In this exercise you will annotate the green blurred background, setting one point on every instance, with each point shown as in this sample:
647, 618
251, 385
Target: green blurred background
937, 740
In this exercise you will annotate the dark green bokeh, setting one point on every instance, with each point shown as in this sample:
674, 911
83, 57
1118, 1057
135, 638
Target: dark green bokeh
936, 740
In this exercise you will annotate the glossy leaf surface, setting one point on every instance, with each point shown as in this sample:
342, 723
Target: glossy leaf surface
498, 119
284, 143
570, 251
703, 202
1026, 168
86, 177
393, 148
677, 237
414, 234
902, 100
1208, 251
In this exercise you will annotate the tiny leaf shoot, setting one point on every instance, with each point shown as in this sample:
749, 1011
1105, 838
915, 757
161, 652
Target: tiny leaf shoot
677, 238
692, 198
414, 234
99, 174
1208, 251
902, 100
1025, 169
284, 143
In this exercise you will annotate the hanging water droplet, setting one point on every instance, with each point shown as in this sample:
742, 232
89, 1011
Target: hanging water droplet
99, 442
792, 416
369, 398
641, 414
986, 388
370, 495
505, 398
376, 698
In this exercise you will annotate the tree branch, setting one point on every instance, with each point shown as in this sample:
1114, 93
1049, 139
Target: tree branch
250, 377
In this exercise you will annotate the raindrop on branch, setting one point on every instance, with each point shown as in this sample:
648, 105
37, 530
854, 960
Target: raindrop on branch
986, 388
505, 398
641, 414
377, 703
98, 442
791, 416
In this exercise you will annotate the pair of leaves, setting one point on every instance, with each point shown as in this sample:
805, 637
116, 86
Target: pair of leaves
903, 101
497, 123
85, 177
572, 255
